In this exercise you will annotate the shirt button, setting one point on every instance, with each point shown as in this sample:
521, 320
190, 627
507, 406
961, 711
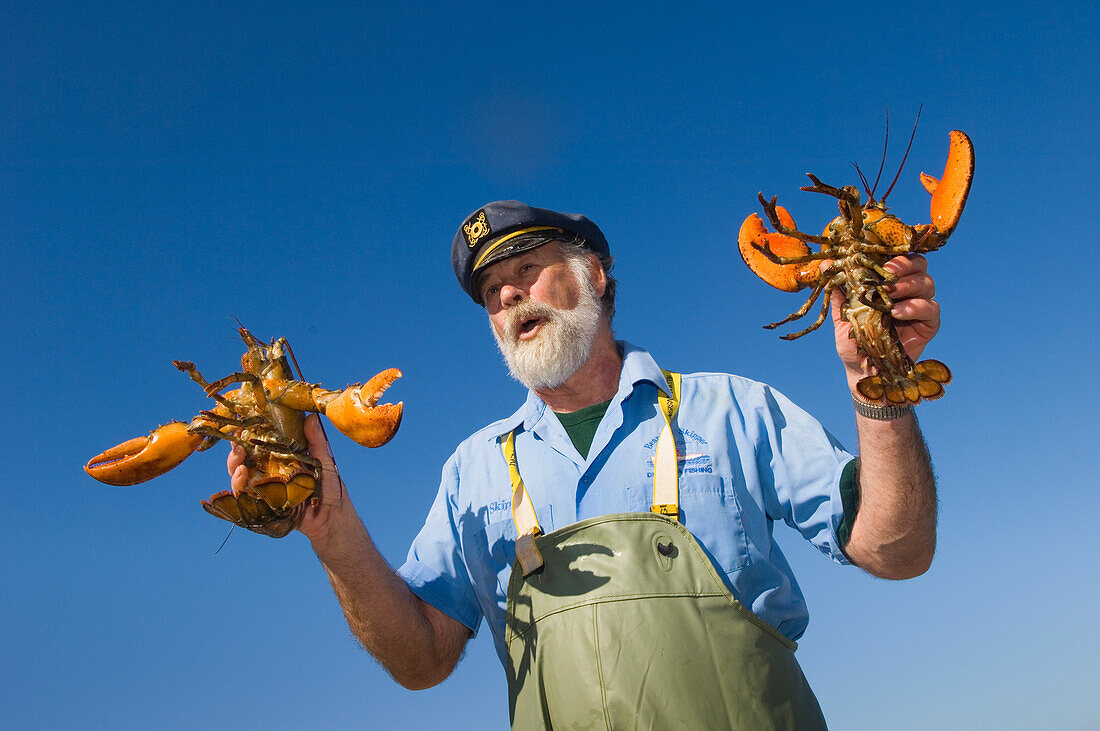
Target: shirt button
586, 480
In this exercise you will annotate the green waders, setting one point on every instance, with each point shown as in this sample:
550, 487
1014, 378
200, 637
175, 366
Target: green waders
622, 622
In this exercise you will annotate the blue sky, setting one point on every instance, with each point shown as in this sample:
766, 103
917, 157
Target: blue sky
164, 170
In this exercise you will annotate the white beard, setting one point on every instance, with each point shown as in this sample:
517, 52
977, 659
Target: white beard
564, 340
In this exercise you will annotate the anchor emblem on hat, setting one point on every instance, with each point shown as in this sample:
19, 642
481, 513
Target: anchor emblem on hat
476, 229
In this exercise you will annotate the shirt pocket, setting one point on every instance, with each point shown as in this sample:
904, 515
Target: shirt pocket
495, 549
710, 509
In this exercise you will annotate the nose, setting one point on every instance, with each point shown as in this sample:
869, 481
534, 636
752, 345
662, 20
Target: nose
510, 295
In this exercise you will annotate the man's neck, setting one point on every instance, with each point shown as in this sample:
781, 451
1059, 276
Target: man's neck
595, 382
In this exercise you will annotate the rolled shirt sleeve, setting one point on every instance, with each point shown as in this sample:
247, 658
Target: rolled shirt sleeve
434, 568
801, 467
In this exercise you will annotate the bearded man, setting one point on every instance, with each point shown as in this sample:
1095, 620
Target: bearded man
615, 532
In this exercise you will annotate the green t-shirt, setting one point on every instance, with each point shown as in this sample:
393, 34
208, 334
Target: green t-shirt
581, 425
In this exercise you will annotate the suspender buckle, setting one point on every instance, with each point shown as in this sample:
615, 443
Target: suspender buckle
672, 511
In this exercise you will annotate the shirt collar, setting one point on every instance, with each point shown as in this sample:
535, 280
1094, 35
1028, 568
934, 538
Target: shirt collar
638, 367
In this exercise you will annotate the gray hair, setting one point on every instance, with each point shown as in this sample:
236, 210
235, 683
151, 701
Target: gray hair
577, 248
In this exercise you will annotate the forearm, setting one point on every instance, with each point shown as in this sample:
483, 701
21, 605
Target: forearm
894, 534
418, 645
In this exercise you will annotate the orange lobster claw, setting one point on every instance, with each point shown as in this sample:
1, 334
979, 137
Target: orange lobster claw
949, 192
357, 413
755, 236
143, 458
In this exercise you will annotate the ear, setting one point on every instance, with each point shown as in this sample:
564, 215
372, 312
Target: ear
596, 274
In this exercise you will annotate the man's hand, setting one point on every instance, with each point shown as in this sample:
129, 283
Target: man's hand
315, 522
916, 315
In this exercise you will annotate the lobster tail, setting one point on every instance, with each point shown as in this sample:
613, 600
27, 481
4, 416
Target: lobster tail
924, 381
252, 513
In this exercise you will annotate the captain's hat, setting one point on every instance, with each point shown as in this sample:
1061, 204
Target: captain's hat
502, 229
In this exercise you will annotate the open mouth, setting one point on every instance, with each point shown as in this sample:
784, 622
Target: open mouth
528, 327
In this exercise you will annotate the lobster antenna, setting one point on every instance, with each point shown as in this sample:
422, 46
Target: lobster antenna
906, 156
295, 362
226, 535
249, 339
864, 179
240, 326
882, 162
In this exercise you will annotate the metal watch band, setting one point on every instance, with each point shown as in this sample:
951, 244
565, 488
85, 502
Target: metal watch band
879, 413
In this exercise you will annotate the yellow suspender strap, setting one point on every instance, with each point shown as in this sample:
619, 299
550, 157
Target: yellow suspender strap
666, 485
523, 513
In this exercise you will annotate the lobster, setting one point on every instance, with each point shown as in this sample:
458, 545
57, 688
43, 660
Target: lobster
854, 247
264, 415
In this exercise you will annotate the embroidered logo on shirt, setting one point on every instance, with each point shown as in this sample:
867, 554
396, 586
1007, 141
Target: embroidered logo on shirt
499, 506
687, 462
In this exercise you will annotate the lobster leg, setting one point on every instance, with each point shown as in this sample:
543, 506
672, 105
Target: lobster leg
863, 260
212, 416
287, 451
827, 293
782, 260
784, 224
885, 304
279, 449
216, 386
211, 432
847, 194
822, 284
189, 368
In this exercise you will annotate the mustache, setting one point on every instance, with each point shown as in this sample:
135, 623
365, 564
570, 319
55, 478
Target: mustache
526, 310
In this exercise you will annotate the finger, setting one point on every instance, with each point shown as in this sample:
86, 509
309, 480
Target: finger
318, 442
913, 311
235, 459
836, 304
918, 285
320, 448
907, 264
238, 479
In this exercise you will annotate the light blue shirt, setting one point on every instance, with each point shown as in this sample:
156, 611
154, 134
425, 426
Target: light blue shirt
748, 457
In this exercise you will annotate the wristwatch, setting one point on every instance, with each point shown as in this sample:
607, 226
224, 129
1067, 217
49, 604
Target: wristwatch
879, 413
